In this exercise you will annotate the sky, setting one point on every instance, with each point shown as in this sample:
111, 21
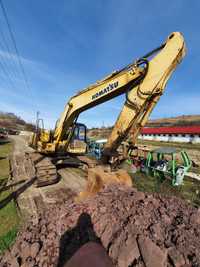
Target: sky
66, 45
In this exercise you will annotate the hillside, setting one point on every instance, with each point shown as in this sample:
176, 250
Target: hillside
185, 120
11, 121
99, 133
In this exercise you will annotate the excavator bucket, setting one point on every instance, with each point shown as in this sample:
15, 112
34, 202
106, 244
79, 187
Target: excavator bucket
99, 176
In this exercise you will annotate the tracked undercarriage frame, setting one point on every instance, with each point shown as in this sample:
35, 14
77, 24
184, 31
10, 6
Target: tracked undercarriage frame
29, 165
26, 166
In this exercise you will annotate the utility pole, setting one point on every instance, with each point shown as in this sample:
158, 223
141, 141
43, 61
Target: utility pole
37, 120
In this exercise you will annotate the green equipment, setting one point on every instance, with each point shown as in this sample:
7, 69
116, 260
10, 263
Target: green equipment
168, 162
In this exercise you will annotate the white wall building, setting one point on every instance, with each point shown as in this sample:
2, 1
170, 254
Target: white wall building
183, 134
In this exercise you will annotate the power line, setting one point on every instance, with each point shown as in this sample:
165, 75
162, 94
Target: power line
5, 45
7, 64
15, 46
6, 73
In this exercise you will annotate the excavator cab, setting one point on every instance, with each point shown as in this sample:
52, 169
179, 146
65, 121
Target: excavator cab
74, 139
78, 144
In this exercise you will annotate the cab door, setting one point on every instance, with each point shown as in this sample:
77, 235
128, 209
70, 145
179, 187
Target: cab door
78, 143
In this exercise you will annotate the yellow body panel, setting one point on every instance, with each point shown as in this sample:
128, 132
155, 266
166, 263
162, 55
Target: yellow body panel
45, 136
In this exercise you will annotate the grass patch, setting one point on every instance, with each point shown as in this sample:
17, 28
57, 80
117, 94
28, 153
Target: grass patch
8, 239
5, 149
189, 191
8, 215
9, 219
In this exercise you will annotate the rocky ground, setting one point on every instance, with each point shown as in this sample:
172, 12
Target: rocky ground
137, 229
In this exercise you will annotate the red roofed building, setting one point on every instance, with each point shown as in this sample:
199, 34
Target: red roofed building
185, 134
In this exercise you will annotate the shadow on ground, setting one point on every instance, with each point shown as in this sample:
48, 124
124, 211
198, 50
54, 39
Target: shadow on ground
6, 187
3, 142
72, 240
14, 195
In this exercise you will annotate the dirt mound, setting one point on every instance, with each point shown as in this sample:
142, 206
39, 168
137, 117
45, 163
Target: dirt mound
136, 229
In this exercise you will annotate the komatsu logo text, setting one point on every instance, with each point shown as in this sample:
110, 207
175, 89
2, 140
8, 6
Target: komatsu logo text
105, 90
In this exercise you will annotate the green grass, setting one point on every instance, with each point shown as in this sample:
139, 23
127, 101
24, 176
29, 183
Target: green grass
9, 219
5, 149
8, 239
189, 191
169, 144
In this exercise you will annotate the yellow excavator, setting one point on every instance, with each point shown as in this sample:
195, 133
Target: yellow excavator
142, 82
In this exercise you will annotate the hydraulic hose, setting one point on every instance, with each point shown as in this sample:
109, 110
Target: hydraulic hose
141, 61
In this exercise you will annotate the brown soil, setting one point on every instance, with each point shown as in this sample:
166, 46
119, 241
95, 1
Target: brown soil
137, 229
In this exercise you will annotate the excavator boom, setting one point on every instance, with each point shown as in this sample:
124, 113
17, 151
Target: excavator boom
142, 81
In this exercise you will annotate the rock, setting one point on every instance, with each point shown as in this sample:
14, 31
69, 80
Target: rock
195, 217
152, 255
30, 262
102, 210
14, 262
166, 219
115, 249
140, 195
15, 251
43, 229
34, 249
128, 252
176, 257
25, 248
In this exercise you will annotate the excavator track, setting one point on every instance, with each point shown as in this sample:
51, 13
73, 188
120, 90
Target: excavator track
25, 166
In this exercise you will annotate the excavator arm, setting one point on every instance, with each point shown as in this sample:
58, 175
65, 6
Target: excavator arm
143, 82
141, 100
